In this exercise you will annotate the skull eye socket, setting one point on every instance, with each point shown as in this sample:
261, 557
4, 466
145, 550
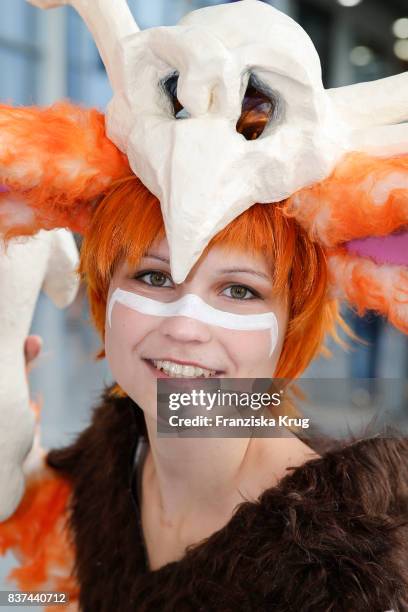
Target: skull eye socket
170, 85
258, 108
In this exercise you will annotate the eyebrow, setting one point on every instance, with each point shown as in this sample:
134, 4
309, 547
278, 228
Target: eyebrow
159, 257
245, 271
223, 271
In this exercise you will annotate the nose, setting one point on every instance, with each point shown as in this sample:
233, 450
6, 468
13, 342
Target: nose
185, 330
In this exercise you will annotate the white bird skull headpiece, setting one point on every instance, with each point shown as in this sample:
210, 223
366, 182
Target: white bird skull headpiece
223, 110
183, 97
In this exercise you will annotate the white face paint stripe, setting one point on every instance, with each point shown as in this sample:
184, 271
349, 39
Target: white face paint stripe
194, 307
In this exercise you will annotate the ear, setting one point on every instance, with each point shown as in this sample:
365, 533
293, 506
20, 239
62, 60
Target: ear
369, 286
55, 165
360, 216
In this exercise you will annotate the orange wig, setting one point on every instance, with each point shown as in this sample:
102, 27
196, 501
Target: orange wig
129, 219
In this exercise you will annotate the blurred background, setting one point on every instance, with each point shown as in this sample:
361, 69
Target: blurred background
46, 56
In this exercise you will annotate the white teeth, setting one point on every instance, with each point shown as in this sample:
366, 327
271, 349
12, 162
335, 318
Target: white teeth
176, 370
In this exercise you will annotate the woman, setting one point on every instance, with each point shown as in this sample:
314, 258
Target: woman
210, 524
194, 497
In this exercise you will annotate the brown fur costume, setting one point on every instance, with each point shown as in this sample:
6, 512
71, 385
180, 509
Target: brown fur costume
331, 537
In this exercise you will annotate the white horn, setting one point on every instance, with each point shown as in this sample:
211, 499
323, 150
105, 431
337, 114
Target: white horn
109, 21
382, 140
374, 103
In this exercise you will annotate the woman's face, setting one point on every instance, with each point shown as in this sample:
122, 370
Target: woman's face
141, 346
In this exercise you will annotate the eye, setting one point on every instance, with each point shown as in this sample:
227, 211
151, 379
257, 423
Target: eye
258, 108
240, 292
170, 86
156, 278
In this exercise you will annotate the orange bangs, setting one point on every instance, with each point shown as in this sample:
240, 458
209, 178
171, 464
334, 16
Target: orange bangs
129, 219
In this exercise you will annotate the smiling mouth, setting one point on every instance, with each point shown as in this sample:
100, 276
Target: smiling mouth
173, 369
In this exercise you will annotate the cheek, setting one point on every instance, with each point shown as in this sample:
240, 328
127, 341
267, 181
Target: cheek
123, 338
124, 344
250, 351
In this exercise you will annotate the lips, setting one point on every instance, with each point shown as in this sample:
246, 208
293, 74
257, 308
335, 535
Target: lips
196, 364
185, 363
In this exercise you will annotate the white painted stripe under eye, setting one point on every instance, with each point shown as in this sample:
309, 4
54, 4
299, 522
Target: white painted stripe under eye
194, 307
